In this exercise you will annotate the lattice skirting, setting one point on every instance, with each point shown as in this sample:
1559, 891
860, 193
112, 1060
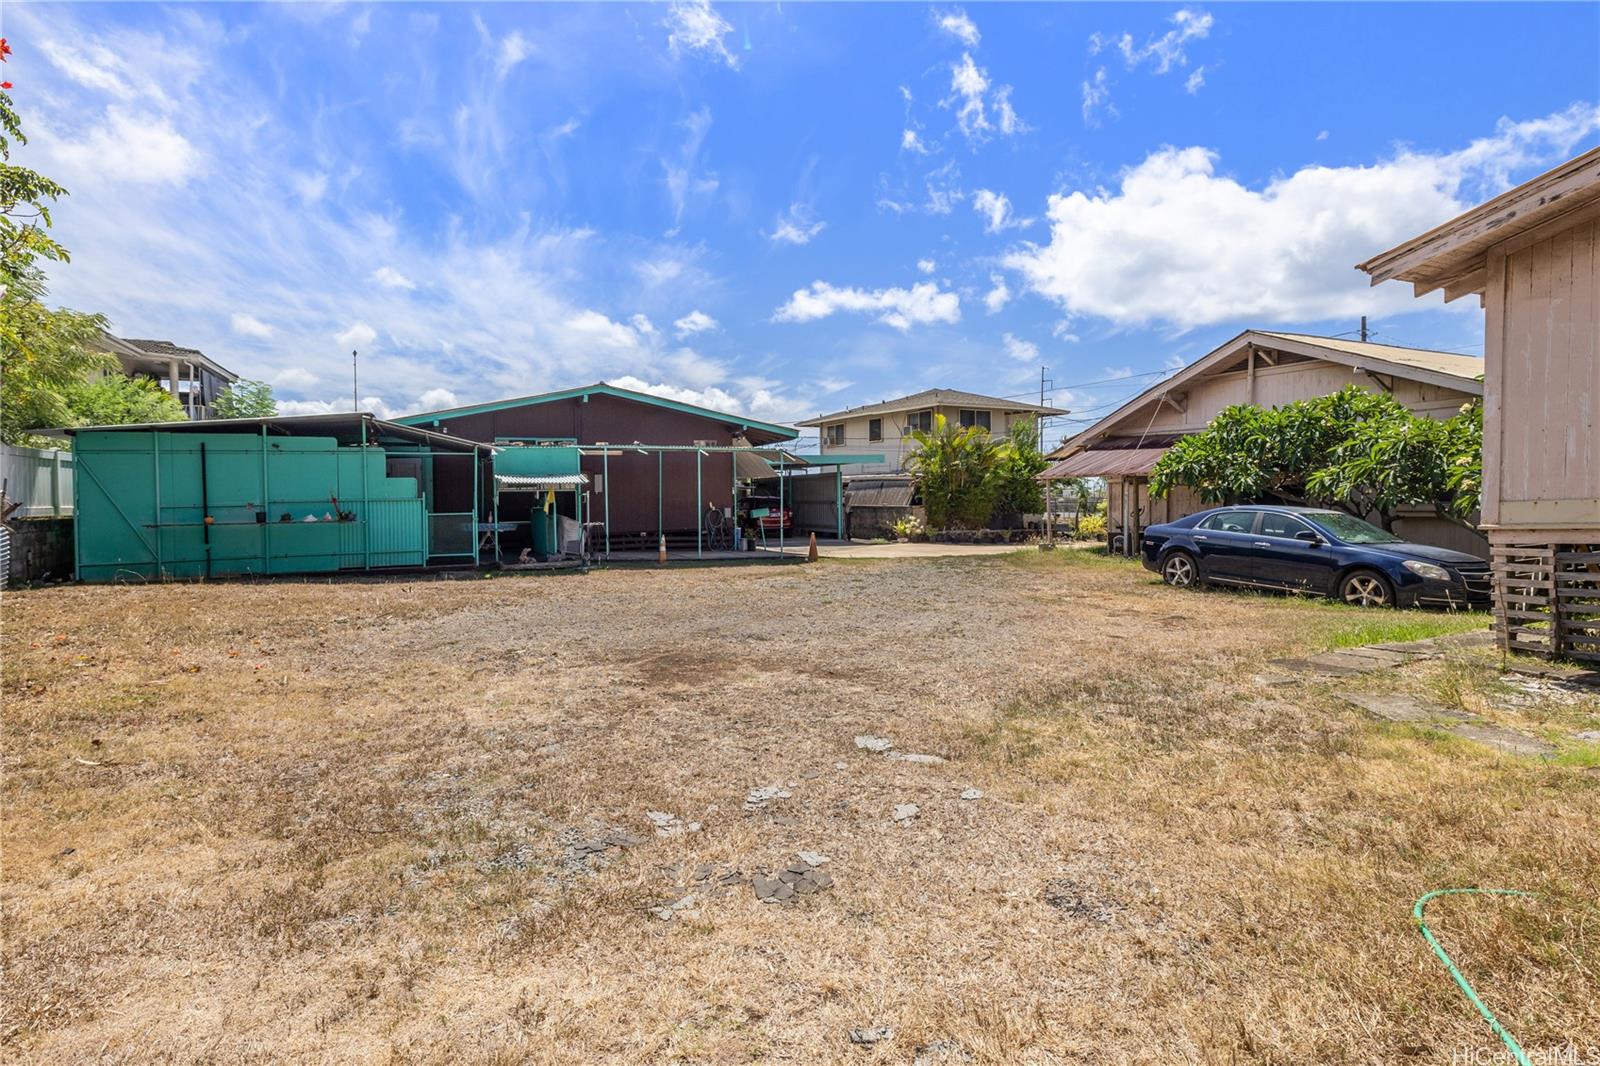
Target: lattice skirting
1547, 596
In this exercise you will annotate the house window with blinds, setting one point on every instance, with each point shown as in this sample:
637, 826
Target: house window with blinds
833, 435
974, 418
922, 420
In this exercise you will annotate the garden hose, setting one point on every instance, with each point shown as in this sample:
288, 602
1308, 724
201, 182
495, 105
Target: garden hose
1427, 934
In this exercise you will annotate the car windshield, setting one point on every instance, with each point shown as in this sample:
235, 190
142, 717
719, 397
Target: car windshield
1351, 529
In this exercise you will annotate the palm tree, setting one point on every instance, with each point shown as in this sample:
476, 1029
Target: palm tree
956, 472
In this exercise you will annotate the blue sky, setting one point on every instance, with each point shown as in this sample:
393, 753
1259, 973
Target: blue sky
777, 209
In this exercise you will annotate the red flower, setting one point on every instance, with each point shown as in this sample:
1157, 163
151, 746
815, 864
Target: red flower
5, 85
5, 49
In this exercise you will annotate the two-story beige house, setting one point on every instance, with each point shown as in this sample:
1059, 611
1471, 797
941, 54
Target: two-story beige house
886, 427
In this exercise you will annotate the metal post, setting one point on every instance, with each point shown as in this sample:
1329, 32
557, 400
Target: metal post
661, 529
838, 503
780, 508
475, 553
699, 521
605, 493
495, 496
155, 446
266, 507
366, 505
55, 483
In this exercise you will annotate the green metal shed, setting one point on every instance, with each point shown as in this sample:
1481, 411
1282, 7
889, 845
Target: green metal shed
310, 494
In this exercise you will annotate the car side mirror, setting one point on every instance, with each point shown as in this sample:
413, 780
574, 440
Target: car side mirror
1308, 536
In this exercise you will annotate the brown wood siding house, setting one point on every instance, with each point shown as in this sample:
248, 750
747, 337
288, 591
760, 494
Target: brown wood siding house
1268, 369
1532, 256
648, 493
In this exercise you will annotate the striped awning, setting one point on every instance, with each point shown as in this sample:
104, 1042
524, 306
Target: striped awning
539, 482
1105, 462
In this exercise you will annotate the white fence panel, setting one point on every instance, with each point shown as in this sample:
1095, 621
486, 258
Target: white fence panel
41, 479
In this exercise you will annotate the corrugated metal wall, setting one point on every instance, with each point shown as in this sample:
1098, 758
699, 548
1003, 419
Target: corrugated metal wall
140, 512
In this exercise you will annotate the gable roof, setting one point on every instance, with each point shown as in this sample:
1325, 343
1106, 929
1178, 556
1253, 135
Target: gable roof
769, 429
1451, 256
933, 398
1444, 369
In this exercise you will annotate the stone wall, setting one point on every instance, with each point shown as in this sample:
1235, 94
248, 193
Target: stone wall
40, 550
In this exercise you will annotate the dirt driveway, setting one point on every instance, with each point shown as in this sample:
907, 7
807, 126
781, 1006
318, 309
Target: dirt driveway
412, 821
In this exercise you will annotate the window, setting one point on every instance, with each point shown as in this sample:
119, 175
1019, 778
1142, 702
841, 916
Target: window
874, 429
1274, 524
1230, 521
922, 420
969, 419
1351, 529
834, 434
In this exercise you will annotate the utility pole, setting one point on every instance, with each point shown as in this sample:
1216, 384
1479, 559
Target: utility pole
1363, 329
355, 383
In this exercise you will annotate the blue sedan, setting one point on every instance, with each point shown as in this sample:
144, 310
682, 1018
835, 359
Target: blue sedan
1310, 550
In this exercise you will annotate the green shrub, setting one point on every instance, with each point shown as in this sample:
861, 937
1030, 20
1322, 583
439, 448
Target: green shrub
1091, 527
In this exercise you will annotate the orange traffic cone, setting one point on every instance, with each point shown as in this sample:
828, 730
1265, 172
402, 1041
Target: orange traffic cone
661, 551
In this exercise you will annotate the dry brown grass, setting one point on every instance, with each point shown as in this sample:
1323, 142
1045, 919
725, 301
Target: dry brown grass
330, 822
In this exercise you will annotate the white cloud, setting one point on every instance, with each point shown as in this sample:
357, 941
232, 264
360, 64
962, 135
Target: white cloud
514, 48
1022, 351
796, 226
310, 187
927, 266
696, 321
1062, 331
944, 190
911, 141
969, 86
682, 180
249, 325
1195, 81
996, 211
922, 304
1179, 243
139, 147
294, 377
1322, 135
391, 278
437, 400
1097, 97
694, 26
513, 307
357, 335
998, 295
1168, 51
956, 23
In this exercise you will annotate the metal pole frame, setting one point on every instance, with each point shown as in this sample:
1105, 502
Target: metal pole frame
838, 502
661, 529
780, 509
266, 507
477, 556
605, 493
365, 517
699, 523
155, 447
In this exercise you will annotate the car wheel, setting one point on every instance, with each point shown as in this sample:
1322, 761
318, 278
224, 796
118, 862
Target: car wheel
1180, 571
1366, 588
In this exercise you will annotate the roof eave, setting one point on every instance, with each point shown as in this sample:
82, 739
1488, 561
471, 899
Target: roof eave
1421, 260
